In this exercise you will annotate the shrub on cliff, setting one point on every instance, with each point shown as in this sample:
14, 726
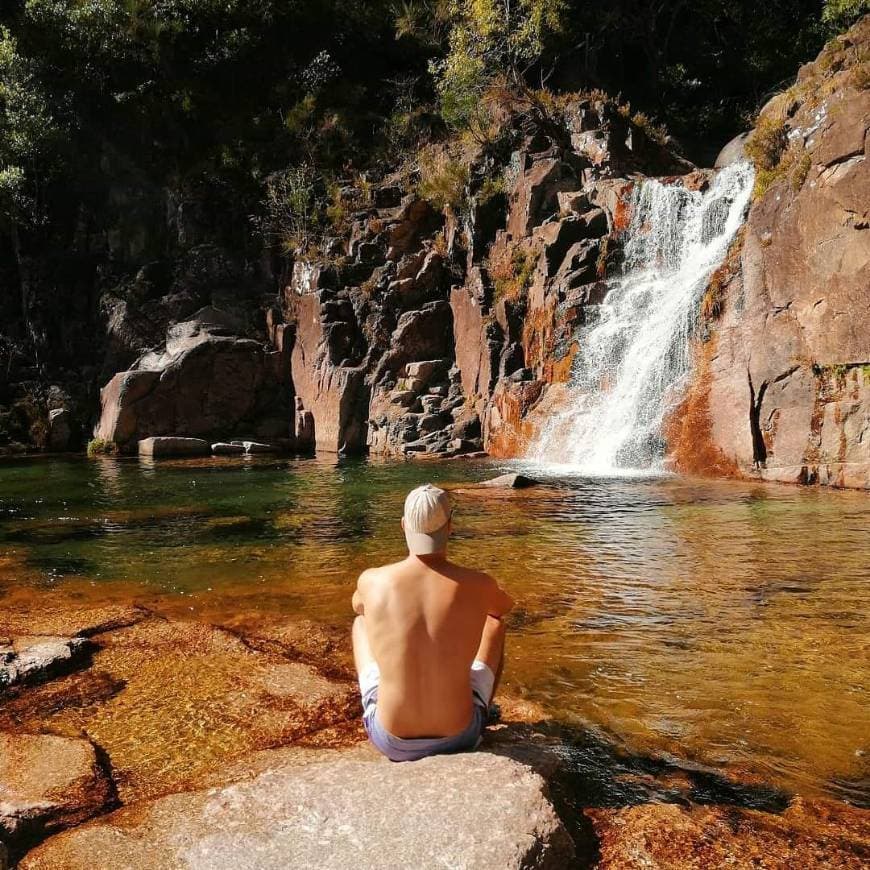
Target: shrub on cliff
443, 176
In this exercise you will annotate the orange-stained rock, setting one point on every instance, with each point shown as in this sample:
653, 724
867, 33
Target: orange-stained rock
788, 386
811, 835
688, 431
507, 431
47, 783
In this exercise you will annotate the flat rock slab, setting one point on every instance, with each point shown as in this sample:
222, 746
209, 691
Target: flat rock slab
35, 659
69, 620
463, 811
173, 446
47, 783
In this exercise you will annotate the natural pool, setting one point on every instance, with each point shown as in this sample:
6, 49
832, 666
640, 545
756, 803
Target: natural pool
719, 622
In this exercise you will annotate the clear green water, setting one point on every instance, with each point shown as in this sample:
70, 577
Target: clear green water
721, 622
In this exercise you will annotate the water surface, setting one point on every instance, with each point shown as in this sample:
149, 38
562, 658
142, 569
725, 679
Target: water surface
724, 623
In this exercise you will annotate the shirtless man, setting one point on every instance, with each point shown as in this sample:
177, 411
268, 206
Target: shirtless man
428, 641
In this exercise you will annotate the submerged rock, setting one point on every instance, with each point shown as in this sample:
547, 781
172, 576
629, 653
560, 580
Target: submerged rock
812, 834
47, 783
173, 446
37, 618
470, 811
510, 481
222, 448
176, 699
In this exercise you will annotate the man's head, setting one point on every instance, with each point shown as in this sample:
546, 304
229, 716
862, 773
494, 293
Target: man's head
427, 520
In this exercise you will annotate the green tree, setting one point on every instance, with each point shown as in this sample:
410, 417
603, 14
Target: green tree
483, 39
842, 13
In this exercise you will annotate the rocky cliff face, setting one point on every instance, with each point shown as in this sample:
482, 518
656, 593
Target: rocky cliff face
439, 332
782, 386
427, 332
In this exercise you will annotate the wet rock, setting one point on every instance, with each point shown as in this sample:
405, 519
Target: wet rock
510, 481
71, 619
173, 446
303, 429
807, 835
255, 447
732, 152
47, 783
193, 685
516, 412
336, 814
223, 448
30, 660
59, 430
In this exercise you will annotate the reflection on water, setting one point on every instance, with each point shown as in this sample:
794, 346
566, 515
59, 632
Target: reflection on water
717, 621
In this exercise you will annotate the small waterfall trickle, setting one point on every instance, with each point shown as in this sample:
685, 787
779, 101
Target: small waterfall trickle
634, 351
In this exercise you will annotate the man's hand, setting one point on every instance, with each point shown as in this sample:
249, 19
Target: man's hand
500, 602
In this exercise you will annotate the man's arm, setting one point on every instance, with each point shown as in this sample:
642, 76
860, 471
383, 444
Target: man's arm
357, 601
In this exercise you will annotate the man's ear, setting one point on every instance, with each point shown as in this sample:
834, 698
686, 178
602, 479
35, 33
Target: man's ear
403, 524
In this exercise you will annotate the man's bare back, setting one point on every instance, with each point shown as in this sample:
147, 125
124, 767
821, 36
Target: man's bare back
428, 640
425, 621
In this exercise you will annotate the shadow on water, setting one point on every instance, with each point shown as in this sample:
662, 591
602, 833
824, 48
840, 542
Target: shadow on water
585, 770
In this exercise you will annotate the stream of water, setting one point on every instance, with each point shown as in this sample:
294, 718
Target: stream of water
634, 353
716, 621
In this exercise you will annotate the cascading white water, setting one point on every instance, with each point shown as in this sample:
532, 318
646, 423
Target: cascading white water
634, 350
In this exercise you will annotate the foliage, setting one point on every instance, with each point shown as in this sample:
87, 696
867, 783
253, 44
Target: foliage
512, 281
842, 13
289, 210
493, 186
101, 447
443, 177
485, 39
767, 142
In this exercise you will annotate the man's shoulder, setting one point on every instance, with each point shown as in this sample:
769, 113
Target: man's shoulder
379, 573
473, 575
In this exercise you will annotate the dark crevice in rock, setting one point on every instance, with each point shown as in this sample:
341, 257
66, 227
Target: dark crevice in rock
759, 449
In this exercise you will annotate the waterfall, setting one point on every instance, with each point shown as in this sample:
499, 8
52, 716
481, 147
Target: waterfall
634, 351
